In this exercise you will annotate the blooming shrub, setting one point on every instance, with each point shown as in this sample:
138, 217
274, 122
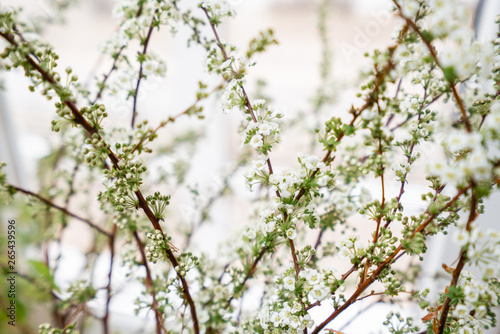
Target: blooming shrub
435, 85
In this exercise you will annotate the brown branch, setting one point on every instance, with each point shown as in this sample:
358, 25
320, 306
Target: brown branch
250, 271
317, 243
379, 219
73, 316
294, 257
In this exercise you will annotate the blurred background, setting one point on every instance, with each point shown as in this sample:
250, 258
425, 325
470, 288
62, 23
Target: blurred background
291, 72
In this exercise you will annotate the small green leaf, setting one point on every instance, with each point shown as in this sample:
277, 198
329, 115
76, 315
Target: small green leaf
42, 271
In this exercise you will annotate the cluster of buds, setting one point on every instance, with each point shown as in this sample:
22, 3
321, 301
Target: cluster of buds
47, 329
158, 203
94, 115
395, 323
98, 150
65, 117
157, 243
187, 261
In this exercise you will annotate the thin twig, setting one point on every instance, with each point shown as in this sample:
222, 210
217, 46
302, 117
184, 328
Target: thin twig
149, 284
172, 119
60, 208
73, 316
139, 78
111, 244
107, 75
113, 66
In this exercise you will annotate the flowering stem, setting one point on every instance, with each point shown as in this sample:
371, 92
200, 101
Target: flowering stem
379, 219
408, 157
250, 271
149, 284
107, 75
113, 66
387, 261
139, 78
432, 51
327, 158
252, 114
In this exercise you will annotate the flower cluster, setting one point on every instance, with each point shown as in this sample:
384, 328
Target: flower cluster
97, 150
47, 329
187, 261
123, 180
152, 65
320, 286
482, 248
312, 285
471, 160
158, 204
218, 9
396, 324
285, 317
65, 117
350, 248
263, 133
156, 245
474, 300
79, 292
289, 182
136, 19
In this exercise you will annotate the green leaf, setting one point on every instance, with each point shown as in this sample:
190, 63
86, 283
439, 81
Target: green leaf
42, 272
349, 129
456, 294
427, 35
449, 74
